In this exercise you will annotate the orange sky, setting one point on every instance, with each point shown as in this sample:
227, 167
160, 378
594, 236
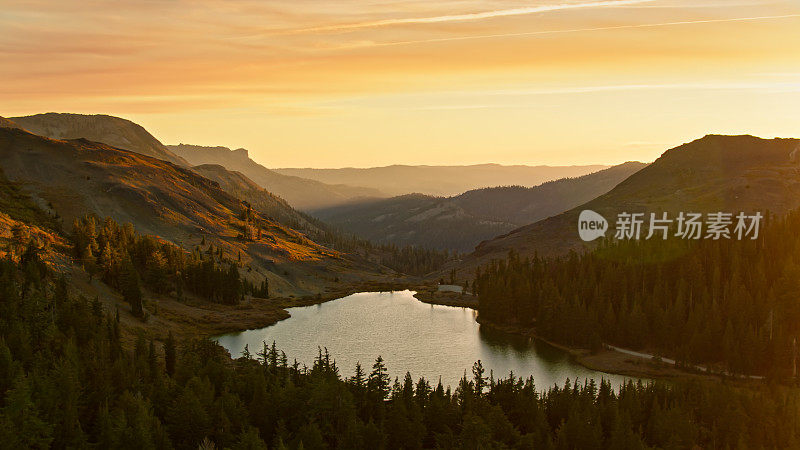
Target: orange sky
374, 82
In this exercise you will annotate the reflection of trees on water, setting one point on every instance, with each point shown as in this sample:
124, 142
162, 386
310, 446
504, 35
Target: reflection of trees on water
518, 346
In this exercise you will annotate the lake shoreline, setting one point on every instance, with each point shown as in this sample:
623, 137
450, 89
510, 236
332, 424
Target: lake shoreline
263, 310
260, 313
607, 360
434, 297
401, 328
194, 318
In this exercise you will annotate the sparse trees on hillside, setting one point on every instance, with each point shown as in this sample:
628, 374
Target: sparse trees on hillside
117, 253
131, 291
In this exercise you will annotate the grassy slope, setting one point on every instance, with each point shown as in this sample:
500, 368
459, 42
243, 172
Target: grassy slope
176, 204
114, 131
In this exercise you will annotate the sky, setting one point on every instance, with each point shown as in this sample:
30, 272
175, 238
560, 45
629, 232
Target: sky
320, 83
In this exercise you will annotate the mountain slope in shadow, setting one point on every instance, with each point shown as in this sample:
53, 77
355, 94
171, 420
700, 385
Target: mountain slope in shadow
461, 222
716, 173
6, 123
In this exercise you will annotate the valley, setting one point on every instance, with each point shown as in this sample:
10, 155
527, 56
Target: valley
175, 252
442, 181
400, 225
461, 222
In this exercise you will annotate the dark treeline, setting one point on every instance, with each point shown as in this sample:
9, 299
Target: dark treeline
727, 301
124, 259
414, 260
67, 382
407, 259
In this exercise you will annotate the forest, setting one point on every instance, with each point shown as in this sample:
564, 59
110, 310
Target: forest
124, 259
66, 381
727, 303
407, 259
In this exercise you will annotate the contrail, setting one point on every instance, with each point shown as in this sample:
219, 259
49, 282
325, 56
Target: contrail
572, 30
471, 16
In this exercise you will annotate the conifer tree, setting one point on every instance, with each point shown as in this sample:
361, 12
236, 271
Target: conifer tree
131, 291
170, 354
379, 380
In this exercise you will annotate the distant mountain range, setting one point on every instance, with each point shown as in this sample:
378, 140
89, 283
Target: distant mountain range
712, 174
441, 180
301, 193
184, 193
114, 131
461, 222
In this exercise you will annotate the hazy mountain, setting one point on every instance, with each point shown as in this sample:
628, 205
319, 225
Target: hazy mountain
76, 177
301, 193
114, 131
711, 174
441, 180
461, 222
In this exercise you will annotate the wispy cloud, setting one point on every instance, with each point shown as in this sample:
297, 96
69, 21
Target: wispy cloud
499, 98
774, 87
570, 30
472, 16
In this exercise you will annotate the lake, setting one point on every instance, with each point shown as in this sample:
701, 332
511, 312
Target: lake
426, 340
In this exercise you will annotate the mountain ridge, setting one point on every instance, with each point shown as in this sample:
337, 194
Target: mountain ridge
72, 178
461, 222
722, 173
440, 180
114, 131
301, 193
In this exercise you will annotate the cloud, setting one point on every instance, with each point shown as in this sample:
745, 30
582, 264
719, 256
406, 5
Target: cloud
472, 16
361, 44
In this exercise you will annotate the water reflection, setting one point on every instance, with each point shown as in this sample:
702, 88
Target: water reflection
426, 340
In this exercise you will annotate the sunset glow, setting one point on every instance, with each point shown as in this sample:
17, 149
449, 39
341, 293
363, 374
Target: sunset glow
366, 83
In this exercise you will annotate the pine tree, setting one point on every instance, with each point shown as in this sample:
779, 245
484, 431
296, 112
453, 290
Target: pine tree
20, 423
131, 291
379, 379
479, 379
170, 354
246, 353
